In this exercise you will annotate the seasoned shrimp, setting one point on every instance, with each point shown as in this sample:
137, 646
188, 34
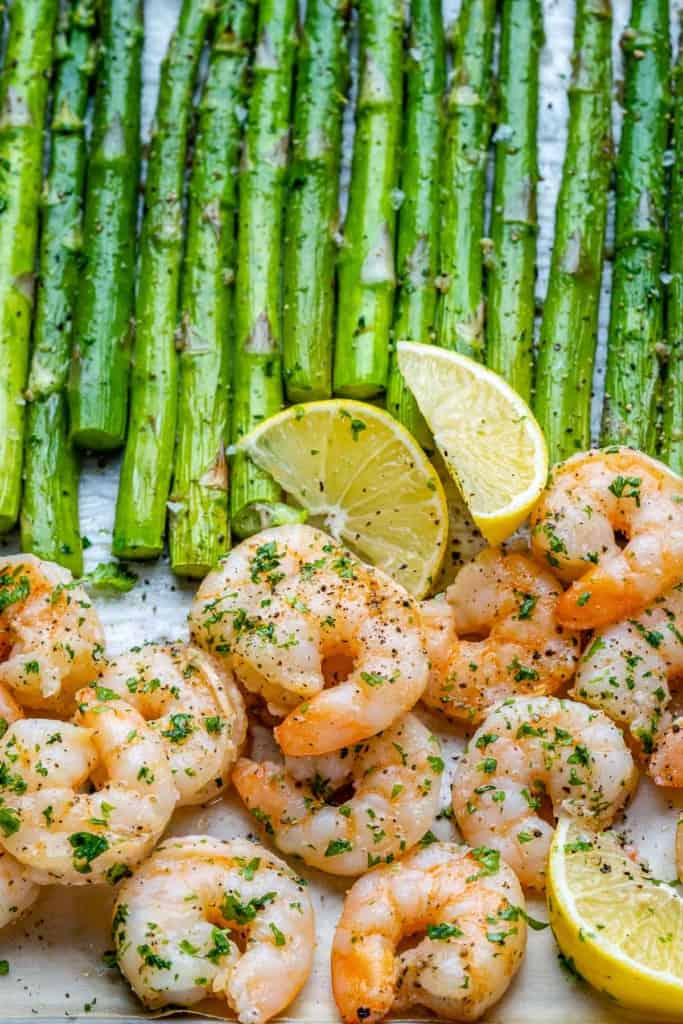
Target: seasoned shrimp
508, 603
193, 705
182, 921
286, 603
626, 671
469, 907
592, 501
528, 753
17, 891
395, 776
63, 834
51, 638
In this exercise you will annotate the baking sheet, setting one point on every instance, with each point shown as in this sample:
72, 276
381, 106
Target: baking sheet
55, 953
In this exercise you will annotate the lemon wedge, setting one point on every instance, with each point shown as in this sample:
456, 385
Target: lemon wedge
490, 441
362, 477
622, 929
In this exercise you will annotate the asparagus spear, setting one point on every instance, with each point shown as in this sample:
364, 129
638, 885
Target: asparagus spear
148, 457
367, 278
512, 268
418, 224
49, 510
672, 421
257, 385
313, 202
101, 352
199, 531
636, 323
460, 313
570, 320
23, 97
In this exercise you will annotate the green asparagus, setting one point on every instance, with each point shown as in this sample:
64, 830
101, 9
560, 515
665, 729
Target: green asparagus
257, 384
98, 390
148, 457
636, 320
23, 98
199, 531
460, 312
367, 276
49, 510
672, 420
570, 320
313, 202
512, 264
418, 225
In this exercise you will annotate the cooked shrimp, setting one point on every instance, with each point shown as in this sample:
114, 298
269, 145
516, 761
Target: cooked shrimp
181, 923
51, 638
63, 834
508, 603
592, 501
469, 907
396, 781
193, 705
17, 891
626, 671
528, 753
290, 600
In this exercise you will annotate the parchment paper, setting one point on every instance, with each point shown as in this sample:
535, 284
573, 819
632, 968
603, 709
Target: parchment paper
55, 953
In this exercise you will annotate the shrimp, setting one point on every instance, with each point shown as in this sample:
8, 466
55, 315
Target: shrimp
51, 638
508, 603
193, 705
17, 892
626, 670
396, 780
62, 834
469, 909
286, 603
181, 922
592, 501
528, 753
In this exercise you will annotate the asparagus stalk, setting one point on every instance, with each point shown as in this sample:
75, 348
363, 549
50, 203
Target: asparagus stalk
313, 202
460, 313
148, 457
199, 531
49, 510
23, 97
418, 224
636, 320
570, 321
672, 420
367, 278
257, 384
101, 352
512, 266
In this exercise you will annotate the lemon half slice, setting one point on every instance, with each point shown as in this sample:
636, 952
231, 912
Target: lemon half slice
362, 477
487, 434
622, 928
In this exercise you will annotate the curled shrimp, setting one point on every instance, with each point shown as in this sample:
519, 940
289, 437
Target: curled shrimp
288, 602
532, 757
592, 501
396, 782
626, 670
192, 704
59, 832
469, 908
181, 923
503, 607
17, 891
51, 638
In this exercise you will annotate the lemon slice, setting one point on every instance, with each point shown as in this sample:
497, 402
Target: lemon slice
622, 929
487, 434
362, 477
